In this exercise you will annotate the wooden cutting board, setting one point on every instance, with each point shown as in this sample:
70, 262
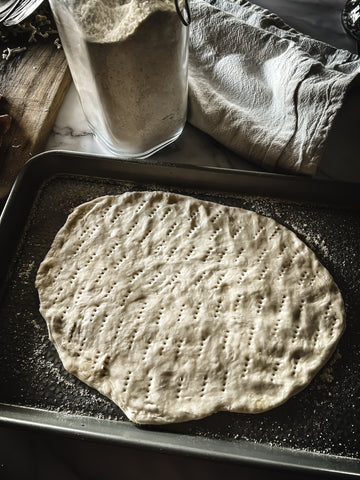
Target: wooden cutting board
33, 85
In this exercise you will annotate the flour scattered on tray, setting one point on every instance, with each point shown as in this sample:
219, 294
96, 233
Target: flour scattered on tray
176, 308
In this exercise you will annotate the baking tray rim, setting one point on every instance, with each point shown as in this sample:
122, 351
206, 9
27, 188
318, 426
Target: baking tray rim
303, 188
127, 434
241, 451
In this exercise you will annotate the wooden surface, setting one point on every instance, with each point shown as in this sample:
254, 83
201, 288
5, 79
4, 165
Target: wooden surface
33, 85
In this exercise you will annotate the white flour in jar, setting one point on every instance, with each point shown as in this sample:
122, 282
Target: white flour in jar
136, 51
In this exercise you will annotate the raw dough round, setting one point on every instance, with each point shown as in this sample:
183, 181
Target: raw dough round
176, 308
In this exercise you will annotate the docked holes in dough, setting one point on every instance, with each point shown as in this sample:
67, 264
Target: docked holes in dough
204, 294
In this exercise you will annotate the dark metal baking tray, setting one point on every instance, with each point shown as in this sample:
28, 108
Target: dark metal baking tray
318, 430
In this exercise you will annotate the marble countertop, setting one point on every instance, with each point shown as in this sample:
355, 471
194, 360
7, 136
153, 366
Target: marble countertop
321, 20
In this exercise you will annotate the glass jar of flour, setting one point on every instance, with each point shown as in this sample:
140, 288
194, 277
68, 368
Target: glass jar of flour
128, 60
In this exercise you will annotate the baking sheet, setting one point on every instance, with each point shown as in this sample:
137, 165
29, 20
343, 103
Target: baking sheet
317, 429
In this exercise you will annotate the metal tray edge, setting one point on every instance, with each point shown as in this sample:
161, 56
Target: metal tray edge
131, 435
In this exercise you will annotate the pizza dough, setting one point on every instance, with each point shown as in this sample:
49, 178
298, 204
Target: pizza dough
177, 308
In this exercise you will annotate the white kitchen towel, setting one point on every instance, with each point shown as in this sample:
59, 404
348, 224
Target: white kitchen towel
261, 88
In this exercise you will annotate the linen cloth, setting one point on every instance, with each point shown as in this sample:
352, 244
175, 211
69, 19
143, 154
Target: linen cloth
262, 89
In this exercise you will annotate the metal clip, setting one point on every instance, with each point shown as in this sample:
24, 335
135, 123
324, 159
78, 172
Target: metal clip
186, 21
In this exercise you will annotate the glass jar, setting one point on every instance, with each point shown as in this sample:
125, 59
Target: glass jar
129, 62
